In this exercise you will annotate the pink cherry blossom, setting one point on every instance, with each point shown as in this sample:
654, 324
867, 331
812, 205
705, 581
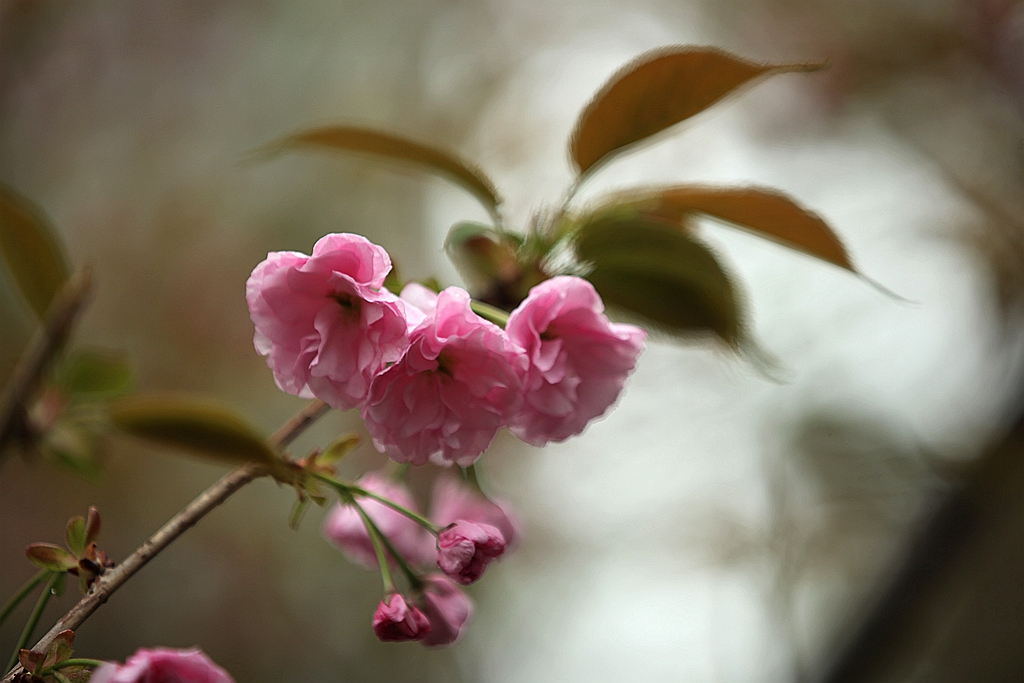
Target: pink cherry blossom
451, 392
465, 549
325, 322
447, 609
163, 665
395, 620
419, 298
345, 529
579, 360
454, 499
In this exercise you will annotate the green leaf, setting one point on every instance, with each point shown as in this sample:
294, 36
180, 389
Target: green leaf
72, 445
493, 263
656, 91
194, 425
341, 447
393, 281
660, 276
31, 249
481, 256
74, 535
96, 373
297, 513
355, 139
431, 283
50, 557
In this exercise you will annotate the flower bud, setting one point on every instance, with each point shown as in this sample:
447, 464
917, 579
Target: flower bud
453, 499
447, 608
395, 620
465, 549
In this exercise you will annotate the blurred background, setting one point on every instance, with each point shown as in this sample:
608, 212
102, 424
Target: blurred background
717, 526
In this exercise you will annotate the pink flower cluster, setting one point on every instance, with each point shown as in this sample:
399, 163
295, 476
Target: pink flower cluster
163, 665
432, 379
473, 532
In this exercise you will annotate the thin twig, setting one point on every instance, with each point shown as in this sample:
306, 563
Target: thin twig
291, 429
110, 581
47, 343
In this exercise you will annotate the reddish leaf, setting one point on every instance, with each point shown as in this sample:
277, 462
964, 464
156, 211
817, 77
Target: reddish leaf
92, 525
354, 139
657, 91
762, 211
61, 649
30, 659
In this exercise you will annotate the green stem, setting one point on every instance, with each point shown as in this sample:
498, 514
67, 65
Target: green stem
33, 619
491, 313
418, 518
472, 479
570, 193
376, 537
353, 490
410, 575
22, 592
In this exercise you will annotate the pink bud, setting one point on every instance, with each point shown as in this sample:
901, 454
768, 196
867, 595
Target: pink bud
395, 620
579, 360
465, 550
344, 527
325, 322
451, 392
454, 499
447, 608
163, 665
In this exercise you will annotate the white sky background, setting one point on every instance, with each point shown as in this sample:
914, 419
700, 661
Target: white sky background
632, 513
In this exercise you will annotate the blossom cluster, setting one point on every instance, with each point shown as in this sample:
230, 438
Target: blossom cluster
432, 380
468, 532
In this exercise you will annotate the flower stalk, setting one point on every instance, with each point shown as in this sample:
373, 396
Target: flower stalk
347, 491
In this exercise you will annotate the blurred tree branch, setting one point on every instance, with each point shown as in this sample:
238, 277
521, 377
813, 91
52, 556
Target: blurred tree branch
954, 608
209, 499
48, 341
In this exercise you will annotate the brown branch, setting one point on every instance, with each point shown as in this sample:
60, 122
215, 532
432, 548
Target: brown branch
46, 344
209, 499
